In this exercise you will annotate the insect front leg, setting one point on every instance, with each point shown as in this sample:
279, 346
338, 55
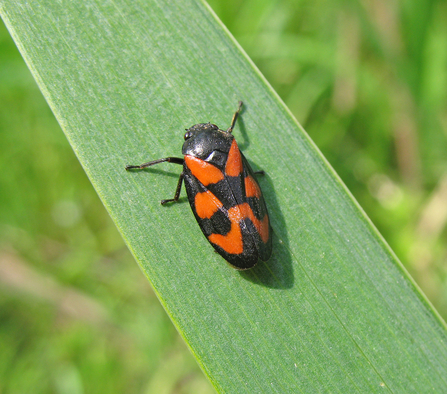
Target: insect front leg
175, 160
233, 121
177, 191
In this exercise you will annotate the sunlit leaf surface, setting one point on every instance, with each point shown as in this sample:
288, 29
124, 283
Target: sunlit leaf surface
333, 309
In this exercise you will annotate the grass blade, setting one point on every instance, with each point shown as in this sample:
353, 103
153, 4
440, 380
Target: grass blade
333, 310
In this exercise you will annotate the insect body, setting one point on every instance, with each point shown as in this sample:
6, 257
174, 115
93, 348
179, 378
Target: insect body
223, 193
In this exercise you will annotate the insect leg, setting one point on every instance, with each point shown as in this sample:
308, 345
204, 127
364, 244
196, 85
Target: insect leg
233, 121
175, 160
177, 191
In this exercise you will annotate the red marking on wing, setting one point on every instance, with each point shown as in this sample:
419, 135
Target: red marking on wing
232, 242
205, 172
234, 161
206, 204
251, 187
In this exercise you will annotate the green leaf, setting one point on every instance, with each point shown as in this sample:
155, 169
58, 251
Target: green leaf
333, 310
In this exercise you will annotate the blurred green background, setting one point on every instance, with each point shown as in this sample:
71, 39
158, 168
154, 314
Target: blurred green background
368, 81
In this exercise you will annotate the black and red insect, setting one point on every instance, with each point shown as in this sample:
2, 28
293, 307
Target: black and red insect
223, 193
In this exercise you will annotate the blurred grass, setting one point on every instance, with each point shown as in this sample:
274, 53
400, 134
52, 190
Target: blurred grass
368, 82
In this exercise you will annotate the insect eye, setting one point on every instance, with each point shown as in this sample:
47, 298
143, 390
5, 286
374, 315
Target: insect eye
188, 135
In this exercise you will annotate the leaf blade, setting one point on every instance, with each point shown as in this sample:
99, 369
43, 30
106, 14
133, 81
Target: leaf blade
113, 72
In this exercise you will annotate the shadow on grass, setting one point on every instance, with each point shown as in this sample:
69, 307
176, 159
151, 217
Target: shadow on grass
276, 273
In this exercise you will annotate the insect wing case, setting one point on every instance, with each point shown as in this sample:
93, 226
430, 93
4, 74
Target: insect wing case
217, 178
